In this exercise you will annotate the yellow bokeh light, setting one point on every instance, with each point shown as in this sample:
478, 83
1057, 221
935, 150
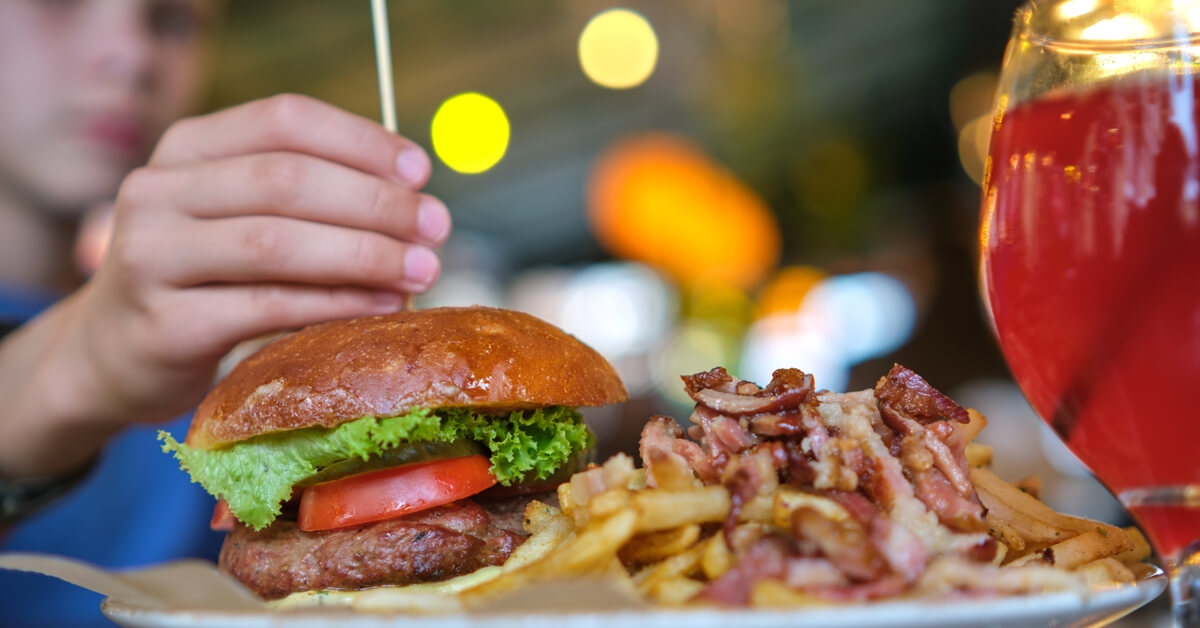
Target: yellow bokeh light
470, 132
618, 49
973, 143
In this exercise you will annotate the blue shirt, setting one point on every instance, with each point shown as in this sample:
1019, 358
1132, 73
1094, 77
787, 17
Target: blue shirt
135, 508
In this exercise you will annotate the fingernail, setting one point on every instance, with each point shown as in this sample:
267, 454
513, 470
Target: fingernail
413, 165
433, 220
420, 266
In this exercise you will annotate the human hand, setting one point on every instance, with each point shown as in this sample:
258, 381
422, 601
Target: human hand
272, 215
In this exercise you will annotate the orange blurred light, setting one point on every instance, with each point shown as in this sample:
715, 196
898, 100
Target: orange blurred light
660, 200
785, 291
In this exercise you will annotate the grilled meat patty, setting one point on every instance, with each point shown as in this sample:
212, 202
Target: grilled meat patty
428, 546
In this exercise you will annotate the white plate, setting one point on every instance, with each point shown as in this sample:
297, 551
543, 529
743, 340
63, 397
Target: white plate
1058, 609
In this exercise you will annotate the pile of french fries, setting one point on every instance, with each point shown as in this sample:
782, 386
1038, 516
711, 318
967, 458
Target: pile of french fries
665, 545
1032, 533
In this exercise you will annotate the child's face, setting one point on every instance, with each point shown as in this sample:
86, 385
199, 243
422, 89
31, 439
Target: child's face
86, 88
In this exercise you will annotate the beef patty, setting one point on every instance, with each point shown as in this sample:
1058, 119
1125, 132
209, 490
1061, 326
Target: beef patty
428, 546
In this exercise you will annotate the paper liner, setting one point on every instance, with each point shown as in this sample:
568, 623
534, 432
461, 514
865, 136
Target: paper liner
182, 585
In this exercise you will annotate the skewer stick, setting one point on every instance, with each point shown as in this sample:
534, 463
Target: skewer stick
383, 62
387, 93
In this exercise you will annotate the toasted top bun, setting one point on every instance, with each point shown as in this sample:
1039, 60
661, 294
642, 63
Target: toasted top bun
487, 359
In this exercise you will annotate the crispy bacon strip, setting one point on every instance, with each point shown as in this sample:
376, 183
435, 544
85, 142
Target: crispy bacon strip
903, 392
749, 475
894, 458
721, 436
844, 543
904, 553
789, 388
715, 379
663, 445
922, 414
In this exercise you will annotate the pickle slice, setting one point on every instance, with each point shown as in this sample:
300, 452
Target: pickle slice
408, 453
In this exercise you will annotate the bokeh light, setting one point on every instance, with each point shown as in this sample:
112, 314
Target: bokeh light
618, 49
692, 347
786, 290
622, 310
970, 111
660, 200
618, 309
972, 97
973, 142
843, 320
470, 132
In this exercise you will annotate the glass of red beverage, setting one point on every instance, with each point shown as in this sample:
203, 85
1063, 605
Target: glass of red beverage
1090, 244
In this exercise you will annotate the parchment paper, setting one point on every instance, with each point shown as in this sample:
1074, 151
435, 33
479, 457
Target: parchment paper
197, 585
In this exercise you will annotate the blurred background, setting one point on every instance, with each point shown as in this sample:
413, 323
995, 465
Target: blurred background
685, 184
753, 184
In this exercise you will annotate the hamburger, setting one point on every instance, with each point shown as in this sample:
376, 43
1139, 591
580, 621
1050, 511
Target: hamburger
391, 450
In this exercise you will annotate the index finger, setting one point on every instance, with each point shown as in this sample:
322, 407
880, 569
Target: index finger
293, 123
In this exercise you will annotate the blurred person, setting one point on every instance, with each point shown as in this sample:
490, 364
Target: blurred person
271, 215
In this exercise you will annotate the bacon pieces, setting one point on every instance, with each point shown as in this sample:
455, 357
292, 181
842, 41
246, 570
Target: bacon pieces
904, 393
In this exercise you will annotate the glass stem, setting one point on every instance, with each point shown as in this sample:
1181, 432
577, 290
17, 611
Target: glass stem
1185, 586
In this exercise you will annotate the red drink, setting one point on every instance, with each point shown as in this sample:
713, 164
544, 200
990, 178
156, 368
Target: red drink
1091, 270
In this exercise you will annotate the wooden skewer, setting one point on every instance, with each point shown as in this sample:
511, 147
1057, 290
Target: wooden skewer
383, 62
387, 93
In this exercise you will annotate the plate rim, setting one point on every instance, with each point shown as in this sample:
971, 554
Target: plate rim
948, 611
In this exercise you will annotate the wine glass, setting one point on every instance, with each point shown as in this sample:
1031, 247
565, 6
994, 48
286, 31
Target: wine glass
1090, 245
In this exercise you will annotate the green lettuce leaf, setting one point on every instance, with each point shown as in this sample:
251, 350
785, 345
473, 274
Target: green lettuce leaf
256, 476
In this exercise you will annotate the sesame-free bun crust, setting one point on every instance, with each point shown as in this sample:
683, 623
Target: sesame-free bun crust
483, 358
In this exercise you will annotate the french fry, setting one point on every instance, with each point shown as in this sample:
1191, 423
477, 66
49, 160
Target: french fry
1036, 557
550, 533
979, 455
590, 551
1141, 547
674, 591
1016, 523
670, 473
662, 510
537, 515
1030, 485
760, 509
609, 502
1029, 517
788, 500
652, 547
1001, 554
1005, 533
974, 425
1105, 571
775, 594
683, 564
715, 558
584, 485
618, 471
1087, 547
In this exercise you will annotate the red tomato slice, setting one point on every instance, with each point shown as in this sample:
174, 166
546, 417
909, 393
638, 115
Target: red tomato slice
222, 519
388, 493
